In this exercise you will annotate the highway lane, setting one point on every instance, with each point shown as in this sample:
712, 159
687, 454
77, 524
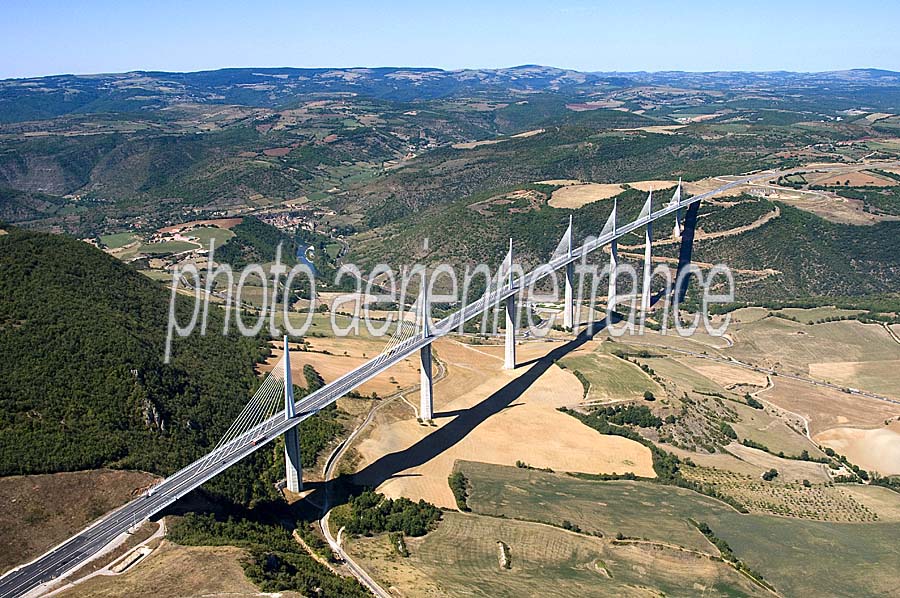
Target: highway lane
81, 547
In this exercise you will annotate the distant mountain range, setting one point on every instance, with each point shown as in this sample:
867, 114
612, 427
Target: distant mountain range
47, 97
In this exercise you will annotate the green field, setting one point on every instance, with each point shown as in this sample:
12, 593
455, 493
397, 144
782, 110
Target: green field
857, 559
771, 432
117, 240
206, 234
606, 507
461, 558
812, 558
321, 324
254, 295
610, 378
166, 247
817, 313
684, 376
163, 275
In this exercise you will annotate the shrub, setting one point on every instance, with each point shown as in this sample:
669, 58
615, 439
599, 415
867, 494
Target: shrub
460, 487
753, 402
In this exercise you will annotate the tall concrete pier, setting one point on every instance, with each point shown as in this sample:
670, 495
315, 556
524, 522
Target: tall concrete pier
613, 260
569, 307
676, 199
292, 464
426, 396
509, 361
426, 381
685, 252
648, 243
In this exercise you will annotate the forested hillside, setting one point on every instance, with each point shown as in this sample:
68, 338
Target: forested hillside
82, 379
256, 242
810, 256
813, 256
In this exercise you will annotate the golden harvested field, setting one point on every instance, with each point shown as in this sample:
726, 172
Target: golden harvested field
699, 341
883, 501
877, 449
525, 134
40, 511
173, 570
484, 413
706, 185
647, 186
725, 374
778, 341
217, 222
661, 129
855, 179
877, 376
825, 408
834, 208
559, 182
474, 144
336, 363
575, 196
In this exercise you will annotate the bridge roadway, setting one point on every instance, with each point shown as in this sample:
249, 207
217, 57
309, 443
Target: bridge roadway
82, 547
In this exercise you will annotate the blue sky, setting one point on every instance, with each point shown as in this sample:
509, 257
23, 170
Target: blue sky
52, 37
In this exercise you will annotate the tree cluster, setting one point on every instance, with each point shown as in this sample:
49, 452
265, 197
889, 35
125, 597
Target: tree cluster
276, 562
635, 415
459, 484
371, 513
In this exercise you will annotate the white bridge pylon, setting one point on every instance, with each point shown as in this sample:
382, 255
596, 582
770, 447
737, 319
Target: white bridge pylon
275, 394
565, 249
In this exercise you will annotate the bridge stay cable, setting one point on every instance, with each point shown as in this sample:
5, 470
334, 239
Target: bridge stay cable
266, 402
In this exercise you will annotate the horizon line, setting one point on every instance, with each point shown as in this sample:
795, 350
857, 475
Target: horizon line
450, 70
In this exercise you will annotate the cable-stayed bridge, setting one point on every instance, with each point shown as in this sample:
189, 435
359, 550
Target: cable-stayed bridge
273, 411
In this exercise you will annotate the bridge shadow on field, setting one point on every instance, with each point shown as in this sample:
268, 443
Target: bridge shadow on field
465, 420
